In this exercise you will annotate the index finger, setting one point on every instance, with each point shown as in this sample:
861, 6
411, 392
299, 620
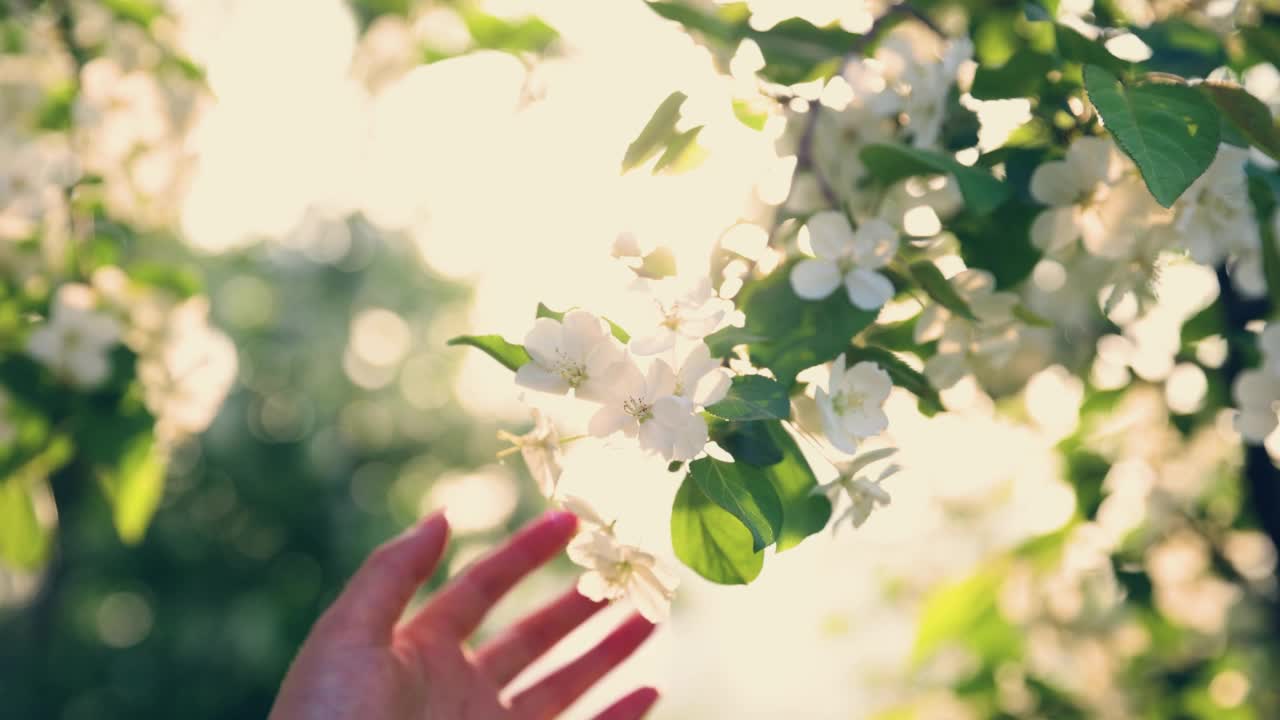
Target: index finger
458, 609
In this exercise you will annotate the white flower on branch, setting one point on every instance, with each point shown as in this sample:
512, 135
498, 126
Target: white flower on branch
701, 379
644, 405
990, 338
864, 493
76, 341
615, 570
1257, 390
568, 354
187, 369
683, 312
851, 403
1094, 196
541, 450
847, 256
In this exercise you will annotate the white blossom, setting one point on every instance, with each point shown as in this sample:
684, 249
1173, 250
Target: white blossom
1094, 196
568, 354
864, 493
1216, 220
701, 379
991, 337
76, 340
615, 570
847, 256
542, 452
925, 88
683, 312
644, 405
186, 369
851, 403
1257, 391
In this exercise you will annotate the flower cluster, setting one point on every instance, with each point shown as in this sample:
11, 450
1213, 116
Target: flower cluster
639, 396
614, 569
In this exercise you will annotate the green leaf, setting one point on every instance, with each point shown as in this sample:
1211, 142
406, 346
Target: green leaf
786, 333
528, 34
1170, 131
656, 133
135, 486
1263, 40
1023, 75
966, 614
682, 153
890, 163
511, 356
710, 541
794, 50
618, 332
747, 442
1247, 114
1000, 242
743, 491
753, 397
656, 265
940, 289
1076, 48
23, 543
803, 513
748, 115
141, 12
1181, 48
902, 374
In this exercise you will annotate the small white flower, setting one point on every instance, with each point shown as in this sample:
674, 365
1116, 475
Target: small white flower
568, 354
77, 340
187, 367
1093, 197
851, 403
1257, 391
542, 452
1214, 215
848, 256
616, 570
644, 405
1257, 396
864, 493
991, 339
688, 312
701, 379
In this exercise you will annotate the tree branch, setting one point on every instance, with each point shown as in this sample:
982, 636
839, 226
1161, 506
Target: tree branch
804, 150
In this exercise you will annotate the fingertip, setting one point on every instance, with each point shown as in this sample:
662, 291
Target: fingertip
435, 524
645, 697
562, 521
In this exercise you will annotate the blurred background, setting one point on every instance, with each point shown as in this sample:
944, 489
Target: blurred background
353, 183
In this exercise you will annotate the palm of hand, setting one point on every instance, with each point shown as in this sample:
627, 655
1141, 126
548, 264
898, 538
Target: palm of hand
358, 663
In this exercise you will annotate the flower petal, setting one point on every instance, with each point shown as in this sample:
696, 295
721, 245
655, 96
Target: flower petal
535, 377
815, 279
868, 289
608, 420
830, 234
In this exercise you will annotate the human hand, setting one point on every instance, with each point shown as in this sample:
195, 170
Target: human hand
361, 662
